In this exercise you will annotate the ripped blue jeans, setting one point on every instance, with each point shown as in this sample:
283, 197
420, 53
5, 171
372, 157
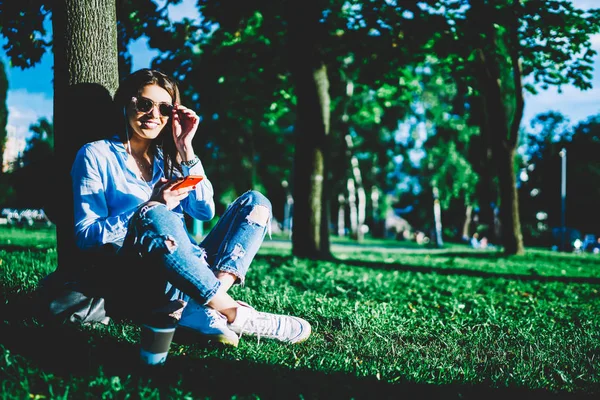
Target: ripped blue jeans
173, 266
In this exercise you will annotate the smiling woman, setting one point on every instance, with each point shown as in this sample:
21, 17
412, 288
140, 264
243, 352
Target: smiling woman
127, 197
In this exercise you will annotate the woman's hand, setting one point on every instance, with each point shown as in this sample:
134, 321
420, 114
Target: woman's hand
162, 193
185, 124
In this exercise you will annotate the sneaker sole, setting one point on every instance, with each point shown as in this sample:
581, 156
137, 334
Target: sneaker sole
187, 335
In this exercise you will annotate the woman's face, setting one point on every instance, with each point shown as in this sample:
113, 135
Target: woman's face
149, 124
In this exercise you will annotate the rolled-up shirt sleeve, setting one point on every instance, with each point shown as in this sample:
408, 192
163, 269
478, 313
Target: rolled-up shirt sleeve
200, 203
93, 226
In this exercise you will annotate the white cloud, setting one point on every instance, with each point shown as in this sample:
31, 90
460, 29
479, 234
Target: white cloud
24, 109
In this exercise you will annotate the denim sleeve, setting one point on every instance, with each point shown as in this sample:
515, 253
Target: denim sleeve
93, 226
200, 203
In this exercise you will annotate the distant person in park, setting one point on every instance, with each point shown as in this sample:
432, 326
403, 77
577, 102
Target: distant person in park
125, 197
475, 241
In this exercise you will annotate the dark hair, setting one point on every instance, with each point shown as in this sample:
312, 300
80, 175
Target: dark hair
132, 86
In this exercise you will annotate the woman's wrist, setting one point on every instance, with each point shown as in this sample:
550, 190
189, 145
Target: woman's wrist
191, 162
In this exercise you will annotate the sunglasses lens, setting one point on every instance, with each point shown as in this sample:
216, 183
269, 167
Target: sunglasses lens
165, 109
144, 105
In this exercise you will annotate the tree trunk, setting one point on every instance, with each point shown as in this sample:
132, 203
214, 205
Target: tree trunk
510, 231
341, 223
310, 236
437, 215
352, 208
86, 76
3, 114
361, 196
501, 86
488, 192
466, 230
376, 224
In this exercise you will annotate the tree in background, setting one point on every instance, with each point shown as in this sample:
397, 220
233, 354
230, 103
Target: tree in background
3, 113
239, 77
503, 42
541, 192
40, 145
583, 190
22, 24
6, 191
36, 164
310, 236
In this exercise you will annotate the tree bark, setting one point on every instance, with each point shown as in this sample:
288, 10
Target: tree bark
3, 114
512, 238
352, 208
503, 118
341, 221
86, 76
361, 196
437, 215
376, 230
310, 235
466, 230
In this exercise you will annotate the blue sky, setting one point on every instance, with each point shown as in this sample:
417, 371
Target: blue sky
30, 91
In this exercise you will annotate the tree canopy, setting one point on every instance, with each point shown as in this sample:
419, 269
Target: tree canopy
421, 94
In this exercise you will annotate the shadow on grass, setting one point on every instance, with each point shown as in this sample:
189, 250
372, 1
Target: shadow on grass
391, 266
68, 351
20, 248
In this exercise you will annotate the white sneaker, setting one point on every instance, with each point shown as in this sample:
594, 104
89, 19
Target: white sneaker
284, 328
208, 322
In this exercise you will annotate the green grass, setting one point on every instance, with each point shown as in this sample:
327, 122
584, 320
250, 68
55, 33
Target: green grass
390, 320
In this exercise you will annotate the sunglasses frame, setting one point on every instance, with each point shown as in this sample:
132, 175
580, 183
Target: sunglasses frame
135, 102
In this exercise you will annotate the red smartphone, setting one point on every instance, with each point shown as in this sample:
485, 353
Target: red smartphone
189, 180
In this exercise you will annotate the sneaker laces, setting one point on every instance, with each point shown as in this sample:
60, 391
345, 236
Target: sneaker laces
262, 324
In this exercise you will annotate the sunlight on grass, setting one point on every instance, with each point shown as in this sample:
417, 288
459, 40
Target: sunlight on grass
385, 318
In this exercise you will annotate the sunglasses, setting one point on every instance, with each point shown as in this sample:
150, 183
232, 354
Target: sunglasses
145, 105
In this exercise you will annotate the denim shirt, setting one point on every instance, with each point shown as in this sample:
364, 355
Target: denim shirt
107, 193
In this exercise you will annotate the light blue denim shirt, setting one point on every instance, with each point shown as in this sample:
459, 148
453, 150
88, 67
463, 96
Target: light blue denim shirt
107, 193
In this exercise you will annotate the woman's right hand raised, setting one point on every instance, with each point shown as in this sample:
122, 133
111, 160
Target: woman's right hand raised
162, 193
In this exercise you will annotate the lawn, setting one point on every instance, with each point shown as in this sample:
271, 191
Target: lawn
390, 320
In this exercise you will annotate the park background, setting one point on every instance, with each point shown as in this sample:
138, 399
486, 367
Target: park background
401, 91
397, 187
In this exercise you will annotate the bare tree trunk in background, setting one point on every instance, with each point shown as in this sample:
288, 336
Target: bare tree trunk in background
503, 111
466, 231
86, 76
376, 230
437, 215
488, 191
361, 196
341, 222
352, 208
310, 235
3, 114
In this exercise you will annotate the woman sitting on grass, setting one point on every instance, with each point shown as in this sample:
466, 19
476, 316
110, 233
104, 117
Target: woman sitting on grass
124, 196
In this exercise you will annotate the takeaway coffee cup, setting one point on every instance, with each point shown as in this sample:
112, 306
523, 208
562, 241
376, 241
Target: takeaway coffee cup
155, 343
157, 333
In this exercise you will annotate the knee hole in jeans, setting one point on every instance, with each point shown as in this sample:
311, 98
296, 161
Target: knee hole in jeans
259, 215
